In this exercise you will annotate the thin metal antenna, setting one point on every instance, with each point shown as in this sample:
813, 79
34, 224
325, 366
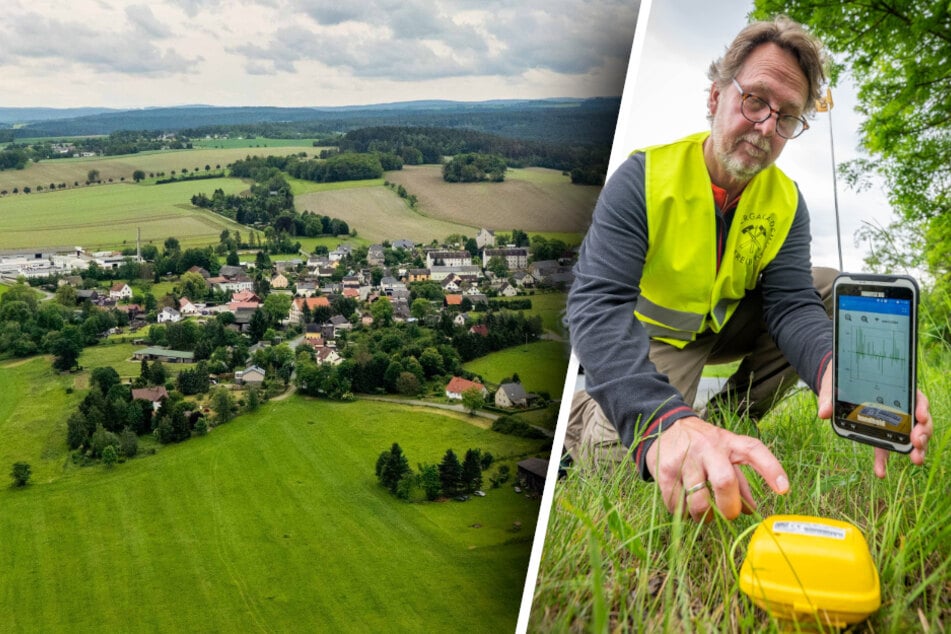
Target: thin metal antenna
824, 104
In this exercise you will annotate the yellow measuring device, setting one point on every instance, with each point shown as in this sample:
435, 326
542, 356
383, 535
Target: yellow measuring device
811, 569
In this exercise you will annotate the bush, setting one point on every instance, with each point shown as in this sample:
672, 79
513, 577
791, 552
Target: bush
21, 474
513, 427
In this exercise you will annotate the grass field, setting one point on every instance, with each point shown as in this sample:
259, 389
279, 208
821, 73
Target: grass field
75, 170
273, 523
108, 216
541, 366
365, 208
616, 560
532, 199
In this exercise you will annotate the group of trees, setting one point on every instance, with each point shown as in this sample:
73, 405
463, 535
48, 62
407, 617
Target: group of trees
474, 168
428, 144
449, 478
29, 326
108, 421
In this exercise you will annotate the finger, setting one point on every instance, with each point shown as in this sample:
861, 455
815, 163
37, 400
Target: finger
922, 431
726, 489
746, 493
825, 394
752, 452
881, 457
696, 501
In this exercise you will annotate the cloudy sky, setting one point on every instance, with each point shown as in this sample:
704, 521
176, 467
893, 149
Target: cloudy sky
665, 97
118, 54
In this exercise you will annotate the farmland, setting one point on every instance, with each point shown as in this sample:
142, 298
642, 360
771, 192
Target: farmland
532, 199
75, 170
109, 215
540, 365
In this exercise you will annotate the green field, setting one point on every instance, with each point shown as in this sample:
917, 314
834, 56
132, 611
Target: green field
273, 522
541, 366
73, 172
108, 216
257, 142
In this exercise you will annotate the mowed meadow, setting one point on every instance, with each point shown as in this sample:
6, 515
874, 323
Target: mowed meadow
273, 522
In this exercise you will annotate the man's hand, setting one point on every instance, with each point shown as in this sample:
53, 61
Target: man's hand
693, 452
920, 433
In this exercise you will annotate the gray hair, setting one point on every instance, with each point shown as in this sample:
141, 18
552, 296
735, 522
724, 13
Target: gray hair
788, 35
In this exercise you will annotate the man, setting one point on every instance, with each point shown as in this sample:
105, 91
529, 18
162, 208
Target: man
699, 251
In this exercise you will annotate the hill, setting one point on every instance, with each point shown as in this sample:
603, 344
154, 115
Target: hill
589, 121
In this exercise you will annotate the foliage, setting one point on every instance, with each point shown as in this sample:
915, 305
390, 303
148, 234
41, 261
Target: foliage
898, 54
472, 399
474, 168
21, 474
514, 427
450, 474
391, 467
471, 478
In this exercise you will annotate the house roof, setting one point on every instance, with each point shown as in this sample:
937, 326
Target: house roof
536, 466
458, 385
312, 302
454, 300
153, 394
514, 391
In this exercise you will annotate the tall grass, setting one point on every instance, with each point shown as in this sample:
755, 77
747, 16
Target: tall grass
616, 560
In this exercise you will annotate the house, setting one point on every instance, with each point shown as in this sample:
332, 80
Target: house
252, 375
187, 308
339, 323
461, 319
485, 238
453, 299
479, 329
197, 269
375, 254
312, 303
507, 290
169, 314
458, 385
328, 356
279, 281
511, 395
406, 245
417, 275
514, 257
245, 296
532, 473
448, 258
154, 395
120, 290
165, 355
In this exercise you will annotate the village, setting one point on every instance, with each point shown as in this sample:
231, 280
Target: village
315, 300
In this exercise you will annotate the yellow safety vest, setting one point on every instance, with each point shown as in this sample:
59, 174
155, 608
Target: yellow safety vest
682, 293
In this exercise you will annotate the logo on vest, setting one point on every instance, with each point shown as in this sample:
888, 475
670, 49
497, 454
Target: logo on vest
756, 231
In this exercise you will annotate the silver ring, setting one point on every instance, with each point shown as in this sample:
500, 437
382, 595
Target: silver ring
695, 488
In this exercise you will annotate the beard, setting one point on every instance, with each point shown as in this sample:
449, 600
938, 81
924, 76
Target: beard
737, 161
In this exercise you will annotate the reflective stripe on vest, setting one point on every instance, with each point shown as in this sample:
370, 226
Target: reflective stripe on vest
682, 293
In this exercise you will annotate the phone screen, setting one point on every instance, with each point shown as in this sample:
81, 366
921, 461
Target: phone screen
874, 367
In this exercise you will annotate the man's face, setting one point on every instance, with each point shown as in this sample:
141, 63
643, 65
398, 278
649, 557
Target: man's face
741, 148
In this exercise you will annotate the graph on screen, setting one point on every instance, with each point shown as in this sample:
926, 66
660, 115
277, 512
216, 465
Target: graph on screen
873, 340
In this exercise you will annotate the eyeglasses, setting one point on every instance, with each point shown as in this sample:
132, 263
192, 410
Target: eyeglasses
757, 111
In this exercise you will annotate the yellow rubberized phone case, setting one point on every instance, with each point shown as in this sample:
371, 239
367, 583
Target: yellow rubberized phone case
805, 568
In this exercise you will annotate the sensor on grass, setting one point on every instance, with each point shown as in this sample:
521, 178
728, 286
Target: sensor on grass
811, 569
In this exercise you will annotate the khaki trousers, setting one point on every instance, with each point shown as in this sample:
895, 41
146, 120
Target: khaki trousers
763, 378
